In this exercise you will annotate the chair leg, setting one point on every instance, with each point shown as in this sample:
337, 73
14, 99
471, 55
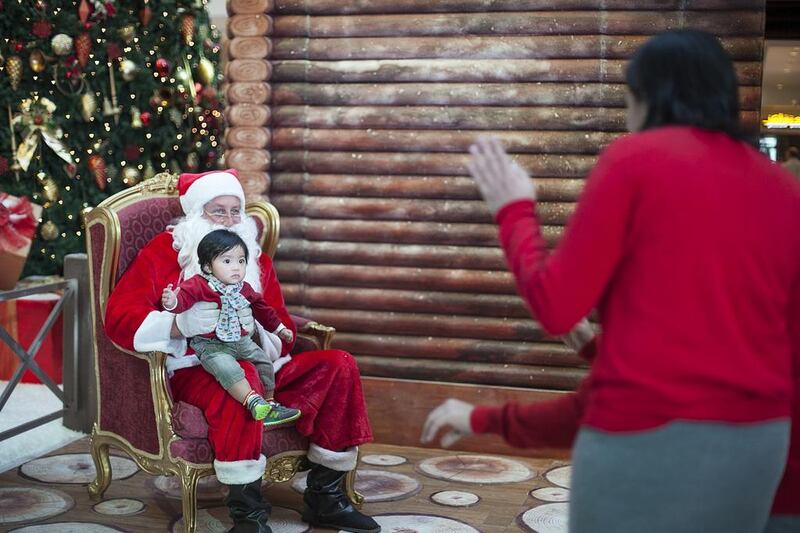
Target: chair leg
350, 488
189, 478
102, 466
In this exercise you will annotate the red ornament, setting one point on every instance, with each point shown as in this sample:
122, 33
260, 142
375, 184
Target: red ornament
18, 47
145, 117
38, 120
145, 14
41, 29
113, 51
83, 46
83, 11
110, 9
98, 167
162, 67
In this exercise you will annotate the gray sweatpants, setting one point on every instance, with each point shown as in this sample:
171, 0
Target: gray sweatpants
684, 477
783, 524
219, 359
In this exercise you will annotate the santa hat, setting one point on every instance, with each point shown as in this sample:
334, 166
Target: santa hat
196, 190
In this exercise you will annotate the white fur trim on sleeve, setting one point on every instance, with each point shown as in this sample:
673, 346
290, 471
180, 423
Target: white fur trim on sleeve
155, 334
340, 461
240, 472
270, 343
280, 361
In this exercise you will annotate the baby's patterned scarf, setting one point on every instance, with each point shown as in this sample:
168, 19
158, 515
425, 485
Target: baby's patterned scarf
228, 327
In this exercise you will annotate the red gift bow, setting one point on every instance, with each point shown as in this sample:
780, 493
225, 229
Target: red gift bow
17, 223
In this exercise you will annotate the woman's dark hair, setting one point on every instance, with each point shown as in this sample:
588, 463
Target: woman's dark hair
685, 77
217, 243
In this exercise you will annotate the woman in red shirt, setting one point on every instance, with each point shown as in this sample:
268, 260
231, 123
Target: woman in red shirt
686, 242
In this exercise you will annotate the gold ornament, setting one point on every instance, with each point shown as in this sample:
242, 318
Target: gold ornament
130, 176
88, 106
61, 44
128, 69
205, 71
37, 61
49, 231
149, 171
187, 29
14, 70
183, 77
136, 118
49, 189
127, 33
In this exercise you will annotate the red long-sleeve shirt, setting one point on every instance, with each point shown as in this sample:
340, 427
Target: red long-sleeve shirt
687, 242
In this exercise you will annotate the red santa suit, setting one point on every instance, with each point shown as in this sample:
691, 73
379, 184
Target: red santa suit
324, 385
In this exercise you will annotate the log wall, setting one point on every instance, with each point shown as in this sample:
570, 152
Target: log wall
356, 118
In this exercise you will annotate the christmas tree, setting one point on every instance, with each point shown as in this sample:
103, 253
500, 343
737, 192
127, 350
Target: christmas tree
97, 95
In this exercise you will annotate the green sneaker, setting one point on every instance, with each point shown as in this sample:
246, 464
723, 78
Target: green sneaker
278, 414
258, 406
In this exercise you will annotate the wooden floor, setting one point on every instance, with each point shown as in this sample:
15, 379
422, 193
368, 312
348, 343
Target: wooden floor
499, 509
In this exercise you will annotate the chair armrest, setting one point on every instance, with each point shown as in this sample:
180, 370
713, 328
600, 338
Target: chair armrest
312, 335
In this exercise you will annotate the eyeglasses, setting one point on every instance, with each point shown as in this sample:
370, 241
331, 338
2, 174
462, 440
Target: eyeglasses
219, 215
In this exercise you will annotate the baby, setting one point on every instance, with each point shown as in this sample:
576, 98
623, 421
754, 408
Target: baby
223, 260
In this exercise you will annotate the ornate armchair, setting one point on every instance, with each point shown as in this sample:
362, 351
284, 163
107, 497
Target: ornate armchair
162, 436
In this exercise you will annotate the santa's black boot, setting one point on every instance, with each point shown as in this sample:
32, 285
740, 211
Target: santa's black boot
326, 505
248, 509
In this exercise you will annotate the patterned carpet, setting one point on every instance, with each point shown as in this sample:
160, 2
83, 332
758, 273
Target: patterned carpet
407, 490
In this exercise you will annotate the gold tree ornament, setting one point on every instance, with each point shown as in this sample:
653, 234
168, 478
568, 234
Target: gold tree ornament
136, 118
149, 171
88, 106
61, 44
127, 69
14, 71
50, 189
127, 33
205, 71
130, 176
37, 61
49, 231
36, 122
187, 29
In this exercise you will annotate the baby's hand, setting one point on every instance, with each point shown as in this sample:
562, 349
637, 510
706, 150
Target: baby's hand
168, 298
286, 335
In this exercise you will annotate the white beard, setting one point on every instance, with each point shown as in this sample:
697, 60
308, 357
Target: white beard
188, 232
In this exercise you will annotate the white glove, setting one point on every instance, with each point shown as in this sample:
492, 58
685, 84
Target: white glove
246, 319
453, 414
579, 336
199, 319
500, 179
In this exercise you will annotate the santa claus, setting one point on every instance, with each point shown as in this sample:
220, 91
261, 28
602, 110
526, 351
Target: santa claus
324, 385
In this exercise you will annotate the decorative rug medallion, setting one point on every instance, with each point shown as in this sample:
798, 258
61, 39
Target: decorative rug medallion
475, 469
551, 494
208, 488
68, 527
26, 504
455, 498
421, 523
216, 520
374, 485
383, 460
74, 468
119, 507
559, 476
547, 518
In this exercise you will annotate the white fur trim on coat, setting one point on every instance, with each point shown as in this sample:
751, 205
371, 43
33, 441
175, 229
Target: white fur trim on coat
279, 362
155, 335
270, 343
240, 472
340, 461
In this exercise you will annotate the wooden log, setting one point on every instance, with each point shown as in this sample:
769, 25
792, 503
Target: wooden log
574, 142
451, 94
540, 377
387, 255
255, 184
251, 25
466, 94
409, 301
449, 349
484, 47
247, 159
372, 209
249, 47
248, 93
249, 7
251, 115
722, 23
252, 70
568, 166
433, 187
247, 137
337, 7
423, 279
466, 70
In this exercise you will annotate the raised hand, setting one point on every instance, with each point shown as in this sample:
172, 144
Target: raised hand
453, 415
499, 178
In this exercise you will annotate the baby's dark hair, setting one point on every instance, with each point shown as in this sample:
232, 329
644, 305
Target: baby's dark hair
217, 243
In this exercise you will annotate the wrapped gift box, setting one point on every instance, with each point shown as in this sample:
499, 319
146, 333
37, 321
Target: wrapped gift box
18, 220
22, 319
